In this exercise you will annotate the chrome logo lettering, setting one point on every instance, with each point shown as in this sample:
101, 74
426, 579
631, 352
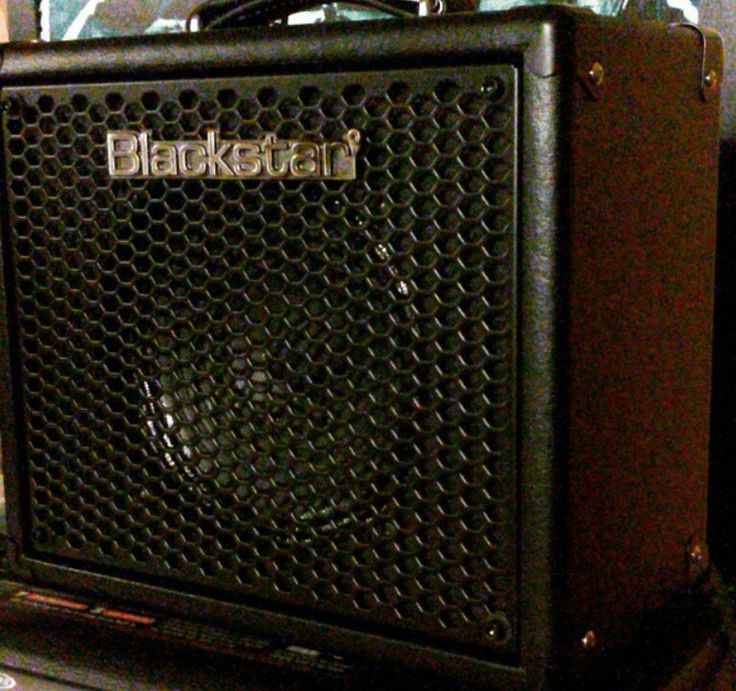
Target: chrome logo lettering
137, 155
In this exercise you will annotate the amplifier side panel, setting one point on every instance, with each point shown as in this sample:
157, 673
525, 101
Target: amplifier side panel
644, 180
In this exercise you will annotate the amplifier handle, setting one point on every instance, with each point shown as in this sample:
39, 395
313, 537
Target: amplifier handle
221, 13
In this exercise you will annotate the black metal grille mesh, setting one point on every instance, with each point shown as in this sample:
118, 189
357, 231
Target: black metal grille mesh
300, 393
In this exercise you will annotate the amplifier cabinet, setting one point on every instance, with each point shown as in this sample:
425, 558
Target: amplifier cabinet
393, 338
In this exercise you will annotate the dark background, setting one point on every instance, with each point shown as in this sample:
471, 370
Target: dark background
721, 14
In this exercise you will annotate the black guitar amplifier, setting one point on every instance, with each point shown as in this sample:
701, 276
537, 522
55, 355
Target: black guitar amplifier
392, 337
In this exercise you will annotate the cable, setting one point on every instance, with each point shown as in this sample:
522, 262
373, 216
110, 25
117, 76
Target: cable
206, 6
231, 10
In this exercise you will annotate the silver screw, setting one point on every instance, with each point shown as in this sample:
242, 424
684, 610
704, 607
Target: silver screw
589, 641
494, 632
491, 87
596, 74
696, 553
697, 560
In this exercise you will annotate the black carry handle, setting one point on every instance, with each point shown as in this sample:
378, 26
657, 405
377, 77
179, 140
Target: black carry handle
221, 13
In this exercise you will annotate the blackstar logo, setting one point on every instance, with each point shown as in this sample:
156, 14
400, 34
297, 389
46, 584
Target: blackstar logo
137, 155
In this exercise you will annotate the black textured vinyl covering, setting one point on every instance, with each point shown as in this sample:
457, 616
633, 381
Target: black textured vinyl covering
299, 393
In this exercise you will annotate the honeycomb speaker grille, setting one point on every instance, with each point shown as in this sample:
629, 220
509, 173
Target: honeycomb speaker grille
296, 394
